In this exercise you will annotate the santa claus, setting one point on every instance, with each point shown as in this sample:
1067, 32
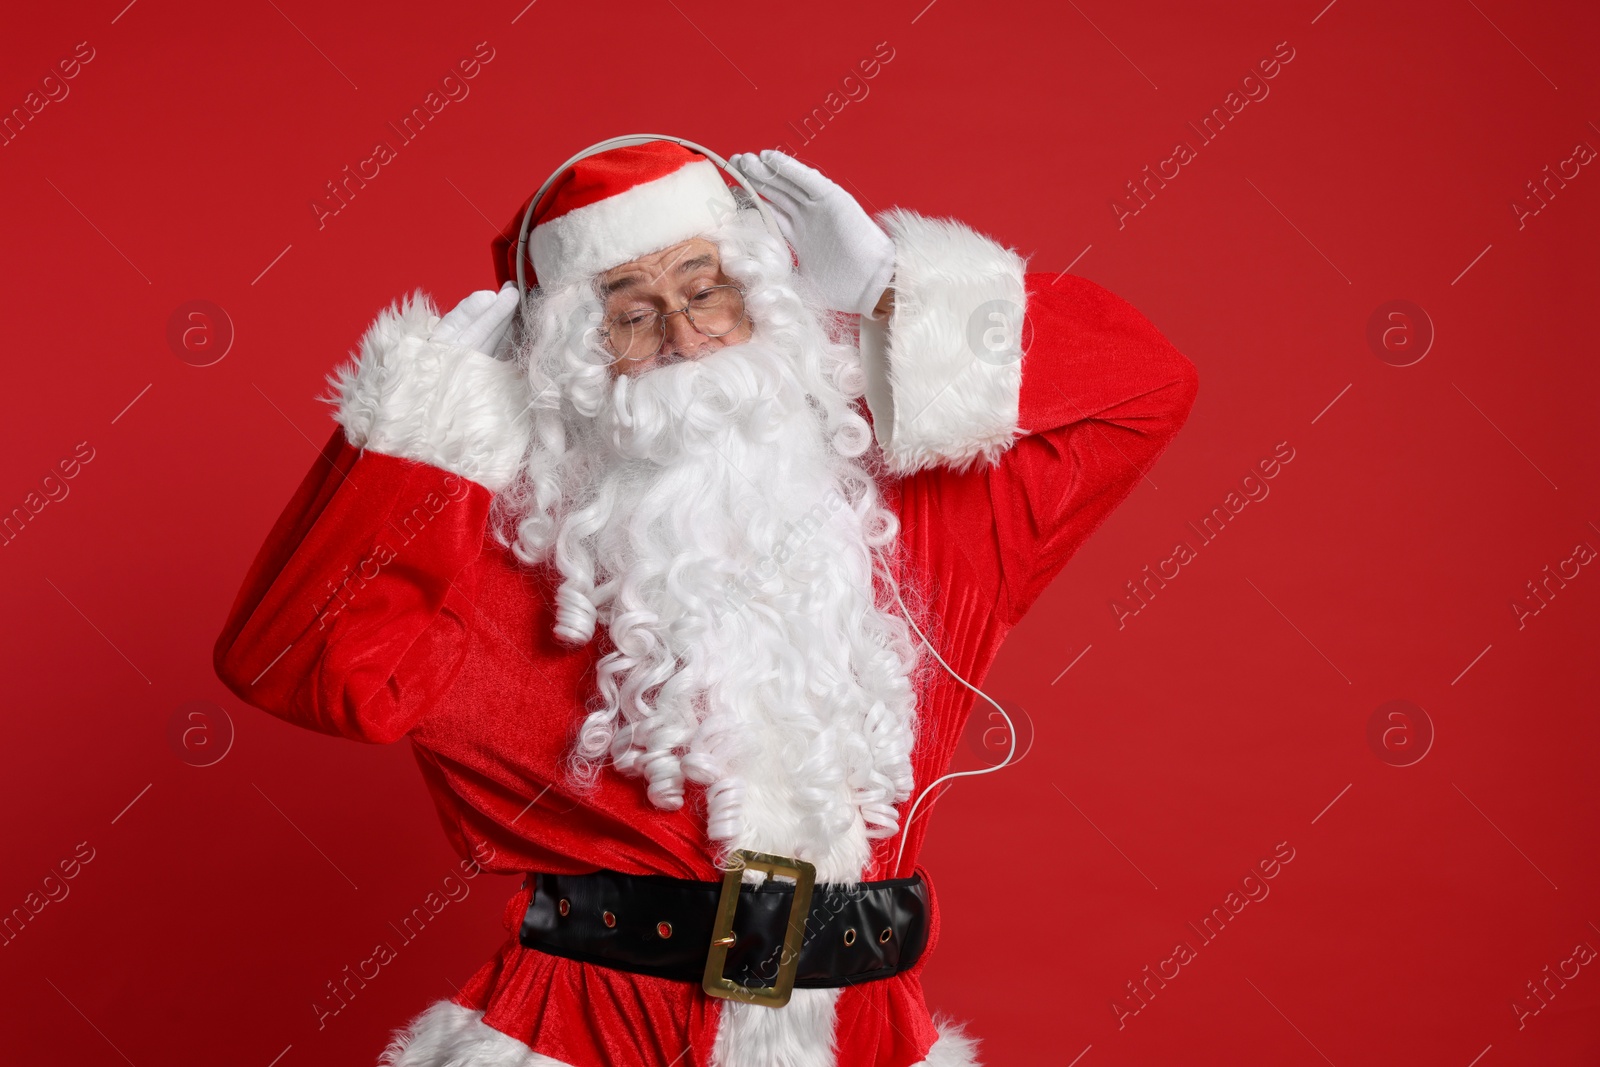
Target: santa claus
681, 589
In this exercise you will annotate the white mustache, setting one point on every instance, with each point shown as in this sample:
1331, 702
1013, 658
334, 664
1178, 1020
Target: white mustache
658, 414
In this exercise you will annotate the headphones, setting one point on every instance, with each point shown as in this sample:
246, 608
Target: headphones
623, 142
772, 227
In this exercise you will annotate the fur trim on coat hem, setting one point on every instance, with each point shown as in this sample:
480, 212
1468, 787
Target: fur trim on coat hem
449, 1035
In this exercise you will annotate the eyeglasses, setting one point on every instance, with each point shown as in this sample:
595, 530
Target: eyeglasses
638, 332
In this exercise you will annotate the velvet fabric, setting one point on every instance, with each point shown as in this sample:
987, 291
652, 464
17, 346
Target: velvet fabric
380, 609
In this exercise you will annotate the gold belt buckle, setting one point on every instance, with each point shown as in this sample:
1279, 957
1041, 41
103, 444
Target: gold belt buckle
777, 995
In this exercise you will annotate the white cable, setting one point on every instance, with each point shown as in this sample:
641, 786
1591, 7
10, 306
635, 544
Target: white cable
905, 831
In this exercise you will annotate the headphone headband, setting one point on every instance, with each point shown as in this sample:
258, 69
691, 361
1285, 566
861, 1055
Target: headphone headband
621, 142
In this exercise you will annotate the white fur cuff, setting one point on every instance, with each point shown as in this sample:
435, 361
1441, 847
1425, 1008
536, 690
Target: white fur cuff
945, 391
448, 406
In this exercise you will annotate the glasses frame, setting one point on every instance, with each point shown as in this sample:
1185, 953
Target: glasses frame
662, 316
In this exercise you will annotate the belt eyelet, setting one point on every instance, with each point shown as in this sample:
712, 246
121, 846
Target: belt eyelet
664, 929
610, 919
850, 936
563, 905
885, 936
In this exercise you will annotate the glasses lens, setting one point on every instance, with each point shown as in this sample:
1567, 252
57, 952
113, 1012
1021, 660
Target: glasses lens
634, 334
637, 332
717, 310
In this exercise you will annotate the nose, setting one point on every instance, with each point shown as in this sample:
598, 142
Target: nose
680, 340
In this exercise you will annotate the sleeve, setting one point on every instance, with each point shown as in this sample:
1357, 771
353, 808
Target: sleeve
354, 617
1022, 408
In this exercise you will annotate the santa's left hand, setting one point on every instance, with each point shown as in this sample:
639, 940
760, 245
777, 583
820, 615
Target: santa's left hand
839, 247
481, 322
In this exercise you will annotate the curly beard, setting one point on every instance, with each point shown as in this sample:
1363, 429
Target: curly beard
714, 518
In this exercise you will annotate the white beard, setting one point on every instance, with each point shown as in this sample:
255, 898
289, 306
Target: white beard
714, 519
728, 550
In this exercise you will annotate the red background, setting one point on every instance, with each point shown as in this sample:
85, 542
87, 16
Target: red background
1178, 751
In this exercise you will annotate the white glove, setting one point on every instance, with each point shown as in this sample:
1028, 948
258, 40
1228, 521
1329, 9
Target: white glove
481, 322
838, 246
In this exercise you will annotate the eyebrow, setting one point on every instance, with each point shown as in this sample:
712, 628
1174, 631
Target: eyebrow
704, 259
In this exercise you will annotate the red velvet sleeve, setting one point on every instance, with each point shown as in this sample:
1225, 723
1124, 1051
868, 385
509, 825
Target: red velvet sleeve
353, 618
1102, 393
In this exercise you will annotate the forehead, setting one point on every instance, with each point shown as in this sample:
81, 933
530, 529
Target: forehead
663, 268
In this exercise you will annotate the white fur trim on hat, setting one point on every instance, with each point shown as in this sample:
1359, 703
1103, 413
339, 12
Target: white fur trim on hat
943, 385
690, 201
444, 405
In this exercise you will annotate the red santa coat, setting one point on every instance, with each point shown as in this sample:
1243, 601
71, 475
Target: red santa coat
381, 608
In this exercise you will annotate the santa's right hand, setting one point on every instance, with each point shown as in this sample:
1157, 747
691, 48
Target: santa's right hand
481, 322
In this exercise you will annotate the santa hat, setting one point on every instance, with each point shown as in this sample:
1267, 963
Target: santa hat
616, 206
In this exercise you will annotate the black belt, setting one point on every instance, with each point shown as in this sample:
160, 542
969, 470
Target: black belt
781, 934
